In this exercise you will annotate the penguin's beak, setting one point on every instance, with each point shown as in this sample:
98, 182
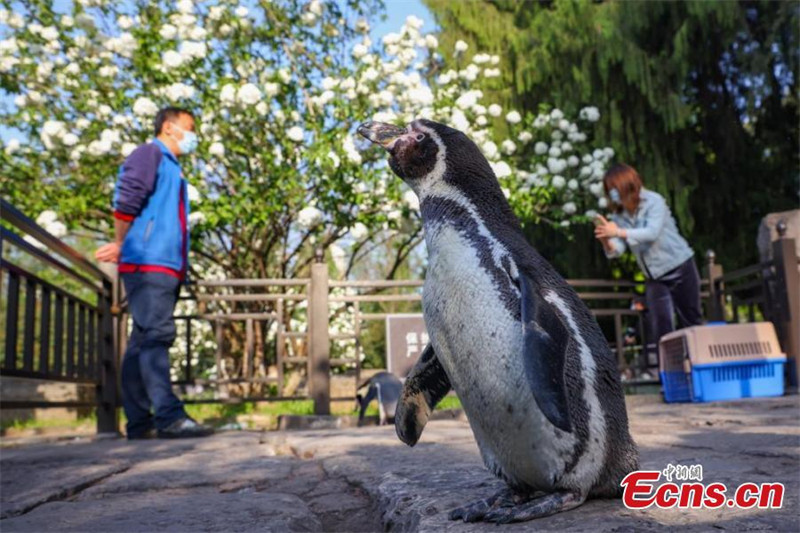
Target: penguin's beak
380, 133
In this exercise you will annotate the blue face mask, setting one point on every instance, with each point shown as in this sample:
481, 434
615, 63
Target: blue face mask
613, 194
188, 143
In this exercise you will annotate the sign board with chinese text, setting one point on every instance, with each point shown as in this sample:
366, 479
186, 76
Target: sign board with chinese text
406, 337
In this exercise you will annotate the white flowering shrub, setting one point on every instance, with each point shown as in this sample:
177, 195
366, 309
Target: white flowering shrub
278, 89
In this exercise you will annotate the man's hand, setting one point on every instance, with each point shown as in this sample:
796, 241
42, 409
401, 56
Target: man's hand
108, 253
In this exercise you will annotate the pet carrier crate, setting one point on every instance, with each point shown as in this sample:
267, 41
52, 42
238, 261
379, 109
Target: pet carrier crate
721, 362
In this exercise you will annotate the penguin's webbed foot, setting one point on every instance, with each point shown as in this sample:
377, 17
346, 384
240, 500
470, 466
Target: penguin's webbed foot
476, 511
535, 508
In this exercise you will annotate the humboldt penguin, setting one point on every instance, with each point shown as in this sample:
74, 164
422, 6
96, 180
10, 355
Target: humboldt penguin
385, 387
526, 357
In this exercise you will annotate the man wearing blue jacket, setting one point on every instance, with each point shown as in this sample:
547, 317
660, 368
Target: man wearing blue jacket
151, 208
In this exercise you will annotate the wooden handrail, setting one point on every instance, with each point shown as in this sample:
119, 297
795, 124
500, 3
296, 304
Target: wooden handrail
16, 218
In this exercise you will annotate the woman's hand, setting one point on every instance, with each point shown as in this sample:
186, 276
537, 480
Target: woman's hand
606, 229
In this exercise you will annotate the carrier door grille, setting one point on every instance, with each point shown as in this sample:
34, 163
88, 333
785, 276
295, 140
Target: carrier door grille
674, 352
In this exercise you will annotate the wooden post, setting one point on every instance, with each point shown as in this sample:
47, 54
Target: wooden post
716, 304
108, 383
319, 368
249, 356
222, 389
119, 314
357, 332
280, 345
784, 256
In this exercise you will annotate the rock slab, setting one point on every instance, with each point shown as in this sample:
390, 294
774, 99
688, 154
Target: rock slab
364, 479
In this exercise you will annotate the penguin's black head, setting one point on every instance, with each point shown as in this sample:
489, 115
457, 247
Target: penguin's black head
425, 152
414, 151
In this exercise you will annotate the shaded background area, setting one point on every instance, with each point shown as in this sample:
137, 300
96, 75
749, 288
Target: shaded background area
700, 97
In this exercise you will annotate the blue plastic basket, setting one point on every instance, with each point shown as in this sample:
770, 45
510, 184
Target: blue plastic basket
724, 381
676, 387
734, 380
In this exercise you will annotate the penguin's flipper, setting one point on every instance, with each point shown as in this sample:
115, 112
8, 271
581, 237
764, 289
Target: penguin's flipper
545, 342
425, 386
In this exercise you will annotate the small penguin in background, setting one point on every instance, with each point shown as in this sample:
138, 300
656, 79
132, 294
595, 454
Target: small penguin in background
533, 371
384, 386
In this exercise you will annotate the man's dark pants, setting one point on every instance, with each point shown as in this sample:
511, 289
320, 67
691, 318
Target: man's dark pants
145, 366
676, 292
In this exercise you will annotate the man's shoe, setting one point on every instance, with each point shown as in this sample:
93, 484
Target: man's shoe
146, 435
185, 428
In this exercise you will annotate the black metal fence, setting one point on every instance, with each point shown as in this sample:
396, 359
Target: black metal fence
55, 331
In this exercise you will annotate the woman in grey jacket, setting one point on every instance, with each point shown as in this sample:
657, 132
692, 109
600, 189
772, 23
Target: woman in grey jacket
642, 221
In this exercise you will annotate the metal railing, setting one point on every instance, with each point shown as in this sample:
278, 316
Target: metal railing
66, 330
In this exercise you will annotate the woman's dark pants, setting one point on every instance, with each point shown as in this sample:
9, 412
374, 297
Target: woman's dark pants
675, 293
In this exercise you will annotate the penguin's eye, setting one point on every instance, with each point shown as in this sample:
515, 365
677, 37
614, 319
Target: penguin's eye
420, 137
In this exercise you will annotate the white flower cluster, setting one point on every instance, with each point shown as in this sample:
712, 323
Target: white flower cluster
108, 140
53, 132
309, 217
349, 147
359, 231
49, 221
592, 114
125, 45
175, 92
144, 107
295, 133
313, 13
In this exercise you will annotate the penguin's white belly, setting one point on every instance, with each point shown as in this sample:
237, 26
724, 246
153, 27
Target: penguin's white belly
479, 344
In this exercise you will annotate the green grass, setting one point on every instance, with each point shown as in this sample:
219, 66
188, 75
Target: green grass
216, 414
33, 424
449, 402
225, 413
228, 413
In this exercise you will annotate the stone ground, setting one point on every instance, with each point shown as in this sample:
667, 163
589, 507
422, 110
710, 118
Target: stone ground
364, 479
